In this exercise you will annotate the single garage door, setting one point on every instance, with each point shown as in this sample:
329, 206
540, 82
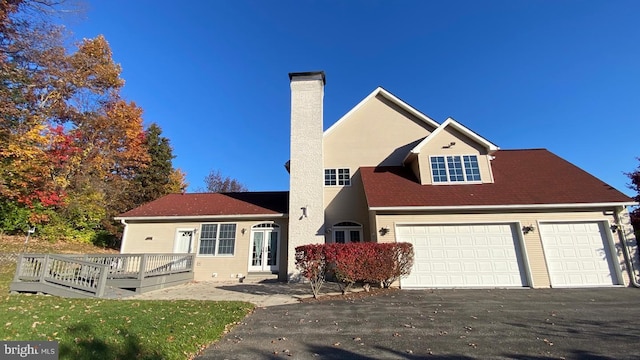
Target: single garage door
578, 254
470, 255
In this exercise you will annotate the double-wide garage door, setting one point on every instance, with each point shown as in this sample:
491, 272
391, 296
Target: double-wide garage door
473, 255
578, 254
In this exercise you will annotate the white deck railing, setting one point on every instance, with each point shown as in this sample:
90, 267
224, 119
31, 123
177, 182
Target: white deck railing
90, 273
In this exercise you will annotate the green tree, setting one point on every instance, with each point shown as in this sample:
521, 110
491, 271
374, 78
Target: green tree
158, 178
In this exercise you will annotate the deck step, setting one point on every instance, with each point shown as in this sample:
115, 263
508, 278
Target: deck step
112, 292
260, 277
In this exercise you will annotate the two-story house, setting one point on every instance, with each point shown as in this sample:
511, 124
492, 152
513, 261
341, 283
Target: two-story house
477, 216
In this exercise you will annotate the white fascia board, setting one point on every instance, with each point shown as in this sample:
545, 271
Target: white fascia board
499, 207
450, 121
201, 217
408, 108
393, 98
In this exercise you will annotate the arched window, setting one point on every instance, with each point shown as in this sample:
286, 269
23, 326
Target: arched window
266, 226
346, 232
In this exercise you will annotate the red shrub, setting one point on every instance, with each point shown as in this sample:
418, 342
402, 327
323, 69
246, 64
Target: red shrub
312, 262
396, 262
367, 262
353, 262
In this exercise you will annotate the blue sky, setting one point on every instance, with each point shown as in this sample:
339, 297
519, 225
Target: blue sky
561, 75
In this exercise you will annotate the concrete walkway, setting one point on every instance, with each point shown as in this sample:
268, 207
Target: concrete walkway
261, 294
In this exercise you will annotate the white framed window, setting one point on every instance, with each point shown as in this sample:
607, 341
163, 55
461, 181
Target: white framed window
346, 232
217, 239
337, 177
455, 168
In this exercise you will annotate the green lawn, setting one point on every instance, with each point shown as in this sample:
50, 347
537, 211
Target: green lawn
115, 329
118, 329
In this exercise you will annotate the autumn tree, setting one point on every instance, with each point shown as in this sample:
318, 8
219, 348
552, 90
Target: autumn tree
26, 181
216, 182
73, 152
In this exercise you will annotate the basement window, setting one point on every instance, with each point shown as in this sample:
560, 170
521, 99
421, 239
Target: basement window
455, 169
337, 177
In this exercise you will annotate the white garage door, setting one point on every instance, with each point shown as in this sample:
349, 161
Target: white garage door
578, 254
474, 255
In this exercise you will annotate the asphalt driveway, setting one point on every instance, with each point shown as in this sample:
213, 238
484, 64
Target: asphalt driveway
445, 324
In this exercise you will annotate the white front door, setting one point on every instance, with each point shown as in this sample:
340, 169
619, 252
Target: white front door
183, 242
264, 249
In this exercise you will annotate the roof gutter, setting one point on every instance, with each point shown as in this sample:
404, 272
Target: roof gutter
500, 207
201, 217
124, 233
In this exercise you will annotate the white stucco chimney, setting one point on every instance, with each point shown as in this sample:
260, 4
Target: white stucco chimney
306, 207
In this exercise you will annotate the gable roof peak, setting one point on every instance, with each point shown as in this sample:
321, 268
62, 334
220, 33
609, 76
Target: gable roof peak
491, 147
389, 96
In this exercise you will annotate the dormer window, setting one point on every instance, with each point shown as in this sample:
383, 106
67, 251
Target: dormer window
337, 177
455, 168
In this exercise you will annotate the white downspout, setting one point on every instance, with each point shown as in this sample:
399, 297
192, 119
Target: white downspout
626, 252
124, 234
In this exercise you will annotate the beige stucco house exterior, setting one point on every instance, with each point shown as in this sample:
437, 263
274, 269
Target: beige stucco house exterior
477, 216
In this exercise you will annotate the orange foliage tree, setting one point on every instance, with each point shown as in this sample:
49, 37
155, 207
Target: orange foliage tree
70, 145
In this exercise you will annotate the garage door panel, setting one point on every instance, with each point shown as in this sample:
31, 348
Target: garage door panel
478, 255
467, 253
470, 267
482, 253
578, 254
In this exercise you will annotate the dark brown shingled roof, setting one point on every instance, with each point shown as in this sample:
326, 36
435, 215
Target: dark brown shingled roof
522, 177
215, 204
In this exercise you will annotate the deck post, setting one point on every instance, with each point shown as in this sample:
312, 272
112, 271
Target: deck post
16, 276
102, 281
143, 266
44, 268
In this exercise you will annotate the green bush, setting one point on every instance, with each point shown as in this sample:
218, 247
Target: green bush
104, 239
14, 217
